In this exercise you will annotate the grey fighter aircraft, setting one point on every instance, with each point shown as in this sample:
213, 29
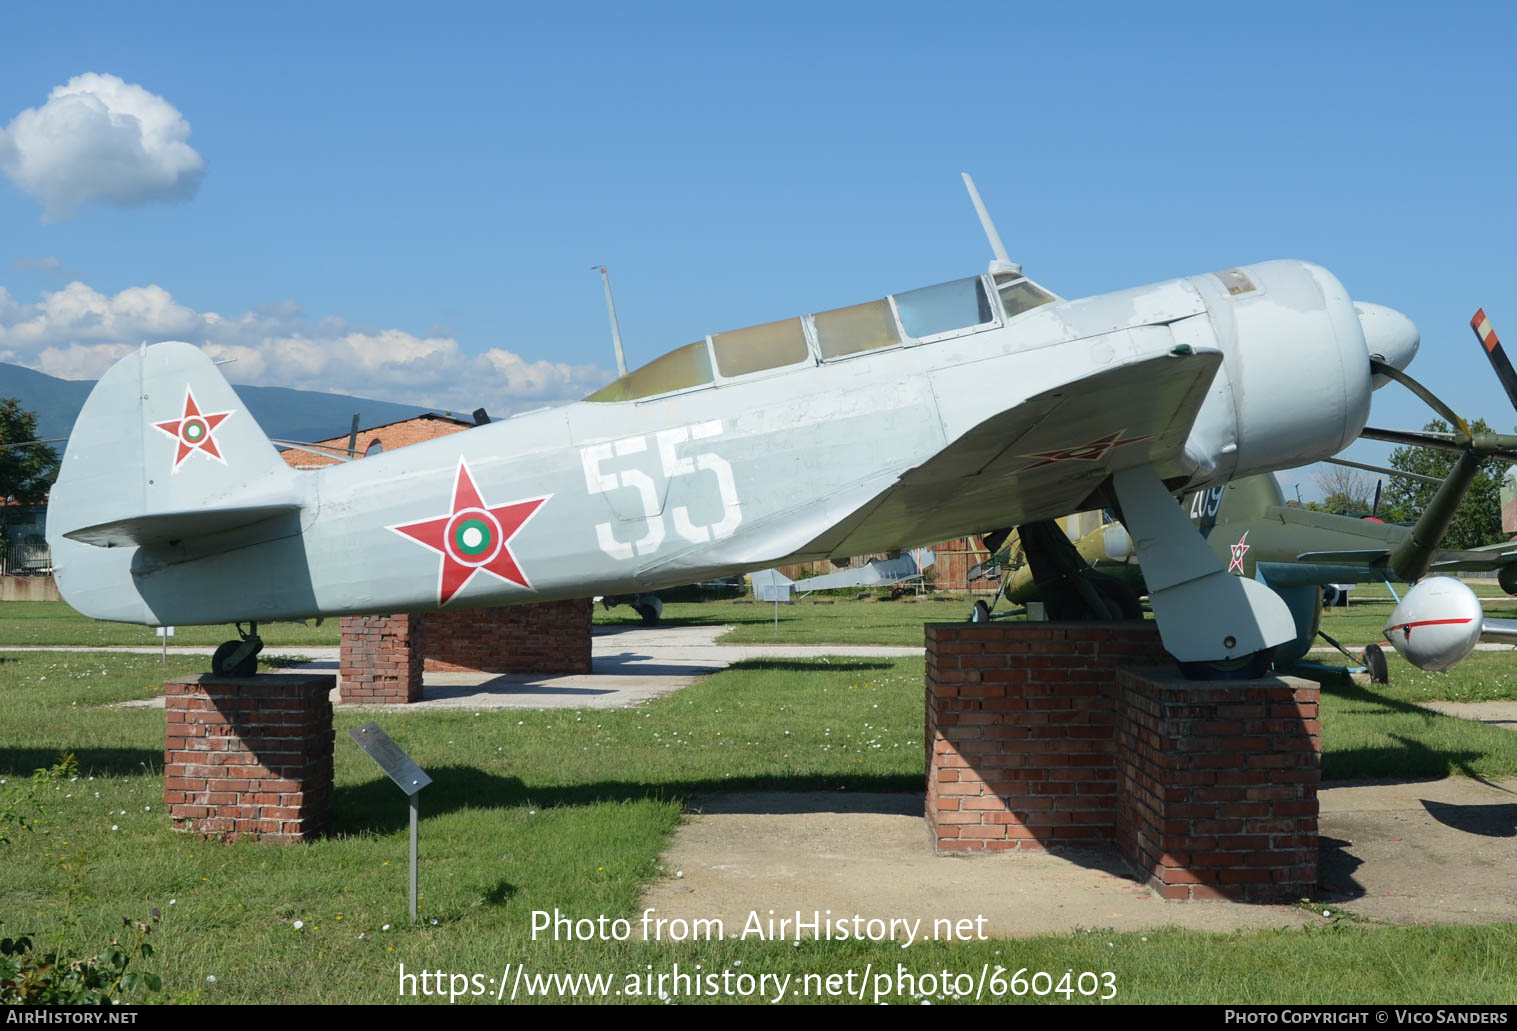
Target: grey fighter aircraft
1297, 552
924, 415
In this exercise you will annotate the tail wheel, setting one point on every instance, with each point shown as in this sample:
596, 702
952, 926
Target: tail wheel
1374, 661
980, 613
221, 658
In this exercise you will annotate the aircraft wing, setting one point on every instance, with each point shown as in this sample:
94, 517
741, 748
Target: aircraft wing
1476, 559
1444, 559
1366, 557
1047, 454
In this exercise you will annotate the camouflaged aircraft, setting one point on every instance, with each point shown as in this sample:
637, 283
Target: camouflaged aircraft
1300, 554
924, 415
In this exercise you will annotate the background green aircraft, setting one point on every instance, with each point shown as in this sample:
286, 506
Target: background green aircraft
1297, 552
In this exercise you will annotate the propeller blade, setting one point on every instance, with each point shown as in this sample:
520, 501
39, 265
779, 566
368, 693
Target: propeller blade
1415, 438
1375, 508
1420, 477
1490, 343
1381, 369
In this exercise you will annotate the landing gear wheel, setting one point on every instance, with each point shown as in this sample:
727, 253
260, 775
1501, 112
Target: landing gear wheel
650, 607
1374, 661
1245, 667
1118, 596
980, 613
223, 655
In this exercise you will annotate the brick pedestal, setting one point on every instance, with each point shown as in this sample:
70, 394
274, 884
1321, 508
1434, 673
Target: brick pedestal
1218, 785
550, 637
249, 756
1019, 731
1044, 735
381, 659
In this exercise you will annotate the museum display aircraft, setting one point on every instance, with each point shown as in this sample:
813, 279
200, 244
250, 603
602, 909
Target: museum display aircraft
1302, 555
925, 415
896, 572
1298, 552
1440, 620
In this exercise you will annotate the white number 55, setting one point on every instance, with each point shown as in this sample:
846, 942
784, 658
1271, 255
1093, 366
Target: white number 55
672, 464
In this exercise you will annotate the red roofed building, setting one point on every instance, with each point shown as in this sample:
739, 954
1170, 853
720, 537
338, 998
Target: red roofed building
385, 437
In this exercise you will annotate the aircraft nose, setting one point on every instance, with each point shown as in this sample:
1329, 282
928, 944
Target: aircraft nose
1389, 336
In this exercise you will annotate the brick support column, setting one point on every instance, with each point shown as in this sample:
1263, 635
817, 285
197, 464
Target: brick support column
1019, 731
381, 659
1218, 793
249, 756
548, 637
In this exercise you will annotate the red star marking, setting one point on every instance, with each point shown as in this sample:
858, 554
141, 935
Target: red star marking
194, 430
1239, 550
1093, 451
472, 536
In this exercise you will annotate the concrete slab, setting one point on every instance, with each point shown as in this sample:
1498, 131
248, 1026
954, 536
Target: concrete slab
1441, 851
629, 666
1412, 853
1497, 714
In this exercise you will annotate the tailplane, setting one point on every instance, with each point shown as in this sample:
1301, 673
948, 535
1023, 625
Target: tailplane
164, 454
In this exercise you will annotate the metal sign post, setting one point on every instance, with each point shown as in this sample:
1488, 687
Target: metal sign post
777, 593
400, 768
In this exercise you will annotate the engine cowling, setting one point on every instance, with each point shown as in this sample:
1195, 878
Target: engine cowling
1437, 623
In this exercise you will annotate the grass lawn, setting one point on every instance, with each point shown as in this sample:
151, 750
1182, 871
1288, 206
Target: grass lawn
53, 622
830, 620
544, 809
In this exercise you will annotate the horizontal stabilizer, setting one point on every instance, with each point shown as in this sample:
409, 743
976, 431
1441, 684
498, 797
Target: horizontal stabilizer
171, 527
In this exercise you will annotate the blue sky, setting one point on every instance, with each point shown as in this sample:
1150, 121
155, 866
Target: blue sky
439, 179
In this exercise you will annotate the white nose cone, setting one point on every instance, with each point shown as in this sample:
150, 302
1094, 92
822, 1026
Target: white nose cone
1437, 623
1389, 336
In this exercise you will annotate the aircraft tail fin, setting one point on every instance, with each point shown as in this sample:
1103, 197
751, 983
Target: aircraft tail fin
164, 450
767, 578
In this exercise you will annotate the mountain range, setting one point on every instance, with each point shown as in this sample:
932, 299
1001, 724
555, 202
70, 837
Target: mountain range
306, 415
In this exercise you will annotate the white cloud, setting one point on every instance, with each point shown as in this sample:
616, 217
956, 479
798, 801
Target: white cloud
39, 264
99, 138
77, 332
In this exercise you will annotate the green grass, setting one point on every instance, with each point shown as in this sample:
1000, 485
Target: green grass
1374, 733
833, 620
54, 623
1486, 676
571, 809
810, 621
1362, 621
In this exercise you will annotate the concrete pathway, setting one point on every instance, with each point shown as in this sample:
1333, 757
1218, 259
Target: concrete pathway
1501, 714
1436, 851
629, 666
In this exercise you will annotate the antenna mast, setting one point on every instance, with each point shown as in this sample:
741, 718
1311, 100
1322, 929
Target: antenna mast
1002, 262
616, 333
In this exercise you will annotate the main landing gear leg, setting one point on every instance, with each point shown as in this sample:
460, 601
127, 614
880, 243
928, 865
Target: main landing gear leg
238, 658
1217, 625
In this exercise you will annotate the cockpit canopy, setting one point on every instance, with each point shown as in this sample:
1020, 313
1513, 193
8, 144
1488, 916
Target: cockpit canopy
931, 313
